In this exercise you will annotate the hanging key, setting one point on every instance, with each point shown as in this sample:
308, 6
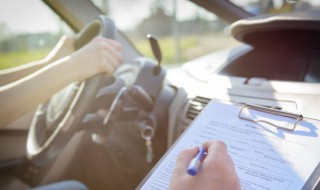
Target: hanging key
149, 156
147, 134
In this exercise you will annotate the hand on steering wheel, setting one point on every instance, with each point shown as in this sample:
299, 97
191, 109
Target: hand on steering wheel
103, 54
56, 121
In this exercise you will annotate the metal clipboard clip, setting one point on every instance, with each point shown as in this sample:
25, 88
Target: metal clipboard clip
295, 117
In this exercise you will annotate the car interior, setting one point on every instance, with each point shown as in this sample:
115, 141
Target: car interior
97, 131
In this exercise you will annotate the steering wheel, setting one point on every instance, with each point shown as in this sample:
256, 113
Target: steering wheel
57, 120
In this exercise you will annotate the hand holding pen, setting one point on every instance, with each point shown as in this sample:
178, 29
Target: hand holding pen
217, 169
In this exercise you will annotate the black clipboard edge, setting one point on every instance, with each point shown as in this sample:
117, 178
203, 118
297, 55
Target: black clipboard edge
314, 180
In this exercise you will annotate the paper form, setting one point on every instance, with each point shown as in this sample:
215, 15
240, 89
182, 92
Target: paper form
265, 157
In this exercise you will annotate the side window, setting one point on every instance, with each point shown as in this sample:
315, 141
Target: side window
28, 31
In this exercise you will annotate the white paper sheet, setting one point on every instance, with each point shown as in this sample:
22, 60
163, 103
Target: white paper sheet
265, 157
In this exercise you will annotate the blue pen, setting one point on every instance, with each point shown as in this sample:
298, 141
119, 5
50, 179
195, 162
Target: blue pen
195, 164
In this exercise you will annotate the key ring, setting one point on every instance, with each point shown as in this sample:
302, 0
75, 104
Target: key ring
147, 132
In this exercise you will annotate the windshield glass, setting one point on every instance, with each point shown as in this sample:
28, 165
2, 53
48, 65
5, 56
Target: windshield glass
185, 30
259, 7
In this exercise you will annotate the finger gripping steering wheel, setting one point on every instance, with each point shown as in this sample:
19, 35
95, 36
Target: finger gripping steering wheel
57, 120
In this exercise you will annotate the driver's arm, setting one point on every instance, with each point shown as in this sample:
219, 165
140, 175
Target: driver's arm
63, 48
21, 96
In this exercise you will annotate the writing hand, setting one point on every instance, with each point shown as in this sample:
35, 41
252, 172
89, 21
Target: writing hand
218, 171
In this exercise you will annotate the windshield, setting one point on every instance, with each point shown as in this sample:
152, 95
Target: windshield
259, 7
185, 31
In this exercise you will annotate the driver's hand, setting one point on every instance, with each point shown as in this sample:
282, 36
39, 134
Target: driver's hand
218, 171
63, 48
100, 55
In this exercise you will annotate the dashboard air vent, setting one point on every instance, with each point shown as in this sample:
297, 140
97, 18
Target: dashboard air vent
196, 105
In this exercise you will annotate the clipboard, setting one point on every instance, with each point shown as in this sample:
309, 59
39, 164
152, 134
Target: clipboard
312, 182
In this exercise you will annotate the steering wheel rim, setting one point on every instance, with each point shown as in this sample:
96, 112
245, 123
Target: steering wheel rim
45, 143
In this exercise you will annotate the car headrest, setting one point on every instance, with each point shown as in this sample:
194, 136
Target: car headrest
297, 28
